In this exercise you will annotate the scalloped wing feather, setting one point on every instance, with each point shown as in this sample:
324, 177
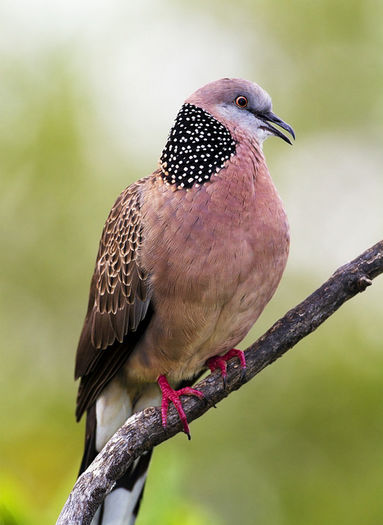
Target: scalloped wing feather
121, 295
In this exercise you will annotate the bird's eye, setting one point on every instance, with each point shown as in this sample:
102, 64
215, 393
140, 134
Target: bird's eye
241, 101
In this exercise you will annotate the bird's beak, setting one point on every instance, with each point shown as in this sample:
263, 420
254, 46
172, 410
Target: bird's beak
270, 117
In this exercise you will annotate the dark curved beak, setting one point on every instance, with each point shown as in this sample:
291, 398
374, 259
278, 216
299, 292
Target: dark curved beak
269, 117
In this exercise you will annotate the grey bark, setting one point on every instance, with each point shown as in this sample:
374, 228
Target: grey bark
143, 430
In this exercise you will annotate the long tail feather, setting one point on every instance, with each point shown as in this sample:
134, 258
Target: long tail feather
121, 506
110, 411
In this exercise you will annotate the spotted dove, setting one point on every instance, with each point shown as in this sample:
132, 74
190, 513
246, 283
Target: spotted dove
188, 259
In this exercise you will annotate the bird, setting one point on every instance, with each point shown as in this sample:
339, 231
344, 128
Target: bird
188, 259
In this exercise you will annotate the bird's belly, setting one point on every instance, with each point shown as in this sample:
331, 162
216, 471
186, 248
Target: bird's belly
229, 325
205, 317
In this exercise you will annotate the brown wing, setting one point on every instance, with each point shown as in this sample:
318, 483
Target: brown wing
119, 300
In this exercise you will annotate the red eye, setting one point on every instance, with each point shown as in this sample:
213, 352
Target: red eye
241, 101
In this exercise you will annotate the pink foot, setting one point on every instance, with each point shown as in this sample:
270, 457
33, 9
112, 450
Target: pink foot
170, 395
221, 362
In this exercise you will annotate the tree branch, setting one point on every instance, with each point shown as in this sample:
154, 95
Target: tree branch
143, 430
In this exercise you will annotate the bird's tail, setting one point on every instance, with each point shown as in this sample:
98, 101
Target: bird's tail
121, 506
104, 418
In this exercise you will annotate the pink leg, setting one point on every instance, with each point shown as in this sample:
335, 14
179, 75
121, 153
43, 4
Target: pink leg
221, 362
170, 395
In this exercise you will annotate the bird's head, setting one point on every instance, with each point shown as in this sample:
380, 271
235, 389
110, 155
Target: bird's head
209, 127
241, 104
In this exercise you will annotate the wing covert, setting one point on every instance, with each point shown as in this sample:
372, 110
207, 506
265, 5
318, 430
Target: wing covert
120, 289
121, 285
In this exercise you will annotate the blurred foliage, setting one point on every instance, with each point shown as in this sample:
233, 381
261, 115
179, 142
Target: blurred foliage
302, 443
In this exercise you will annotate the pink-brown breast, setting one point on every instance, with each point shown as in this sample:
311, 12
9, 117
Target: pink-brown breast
216, 254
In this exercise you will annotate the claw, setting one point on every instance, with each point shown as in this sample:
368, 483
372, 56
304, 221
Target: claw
170, 395
221, 362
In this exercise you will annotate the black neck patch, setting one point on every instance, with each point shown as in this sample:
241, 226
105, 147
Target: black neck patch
197, 147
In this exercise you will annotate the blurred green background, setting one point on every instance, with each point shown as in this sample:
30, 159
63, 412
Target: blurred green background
88, 92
